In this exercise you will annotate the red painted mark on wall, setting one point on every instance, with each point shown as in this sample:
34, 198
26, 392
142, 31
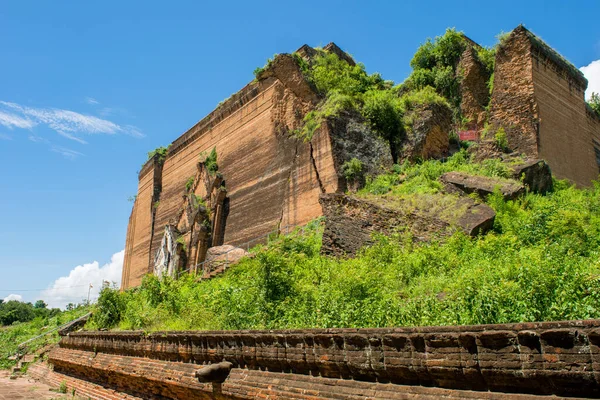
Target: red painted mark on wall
468, 135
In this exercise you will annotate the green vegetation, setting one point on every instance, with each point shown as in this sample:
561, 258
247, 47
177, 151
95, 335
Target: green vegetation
348, 88
352, 169
210, 161
501, 140
435, 64
189, 183
259, 70
594, 103
541, 262
181, 241
18, 332
16, 311
161, 152
63, 387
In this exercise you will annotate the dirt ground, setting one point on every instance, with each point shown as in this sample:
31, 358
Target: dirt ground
25, 388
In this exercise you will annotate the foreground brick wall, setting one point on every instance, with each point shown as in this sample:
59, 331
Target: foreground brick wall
561, 358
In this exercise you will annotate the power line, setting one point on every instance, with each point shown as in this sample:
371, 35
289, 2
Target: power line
38, 290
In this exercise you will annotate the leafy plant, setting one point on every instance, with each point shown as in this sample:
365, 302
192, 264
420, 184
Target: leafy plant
160, 153
110, 305
594, 103
259, 70
352, 169
500, 139
189, 183
210, 162
63, 387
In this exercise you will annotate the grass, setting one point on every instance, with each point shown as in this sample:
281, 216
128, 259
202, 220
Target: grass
11, 336
541, 262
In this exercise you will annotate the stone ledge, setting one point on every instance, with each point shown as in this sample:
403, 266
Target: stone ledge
560, 358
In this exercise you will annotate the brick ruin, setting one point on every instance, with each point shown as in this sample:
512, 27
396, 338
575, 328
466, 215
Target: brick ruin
269, 179
520, 361
538, 98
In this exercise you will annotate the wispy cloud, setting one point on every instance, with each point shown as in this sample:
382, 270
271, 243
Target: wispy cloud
4, 136
69, 124
37, 139
66, 153
592, 73
11, 121
92, 101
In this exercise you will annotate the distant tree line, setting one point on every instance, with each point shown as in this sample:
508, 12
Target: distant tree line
17, 311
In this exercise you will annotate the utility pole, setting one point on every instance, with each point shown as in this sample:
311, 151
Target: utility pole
89, 289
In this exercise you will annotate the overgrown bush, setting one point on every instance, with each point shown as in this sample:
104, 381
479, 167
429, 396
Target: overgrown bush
434, 64
111, 304
210, 162
352, 169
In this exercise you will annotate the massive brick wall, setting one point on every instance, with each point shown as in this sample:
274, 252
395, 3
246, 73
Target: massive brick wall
538, 98
564, 138
273, 179
551, 358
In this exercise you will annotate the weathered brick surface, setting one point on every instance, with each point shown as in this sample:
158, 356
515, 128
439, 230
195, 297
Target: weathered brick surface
539, 100
350, 222
560, 358
118, 377
273, 179
83, 388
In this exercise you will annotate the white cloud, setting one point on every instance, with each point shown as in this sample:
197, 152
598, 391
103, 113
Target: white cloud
74, 287
92, 101
37, 139
592, 73
67, 153
69, 124
11, 121
16, 297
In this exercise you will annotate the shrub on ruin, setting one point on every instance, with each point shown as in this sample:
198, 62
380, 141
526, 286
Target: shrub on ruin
189, 183
352, 169
434, 64
594, 103
160, 153
382, 110
210, 161
501, 140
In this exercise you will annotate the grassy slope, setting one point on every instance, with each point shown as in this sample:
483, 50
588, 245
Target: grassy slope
12, 336
541, 262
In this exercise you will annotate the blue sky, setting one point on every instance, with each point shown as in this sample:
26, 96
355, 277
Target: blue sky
87, 89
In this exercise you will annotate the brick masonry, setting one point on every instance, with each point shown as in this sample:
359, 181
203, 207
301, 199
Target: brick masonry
551, 358
538, 98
